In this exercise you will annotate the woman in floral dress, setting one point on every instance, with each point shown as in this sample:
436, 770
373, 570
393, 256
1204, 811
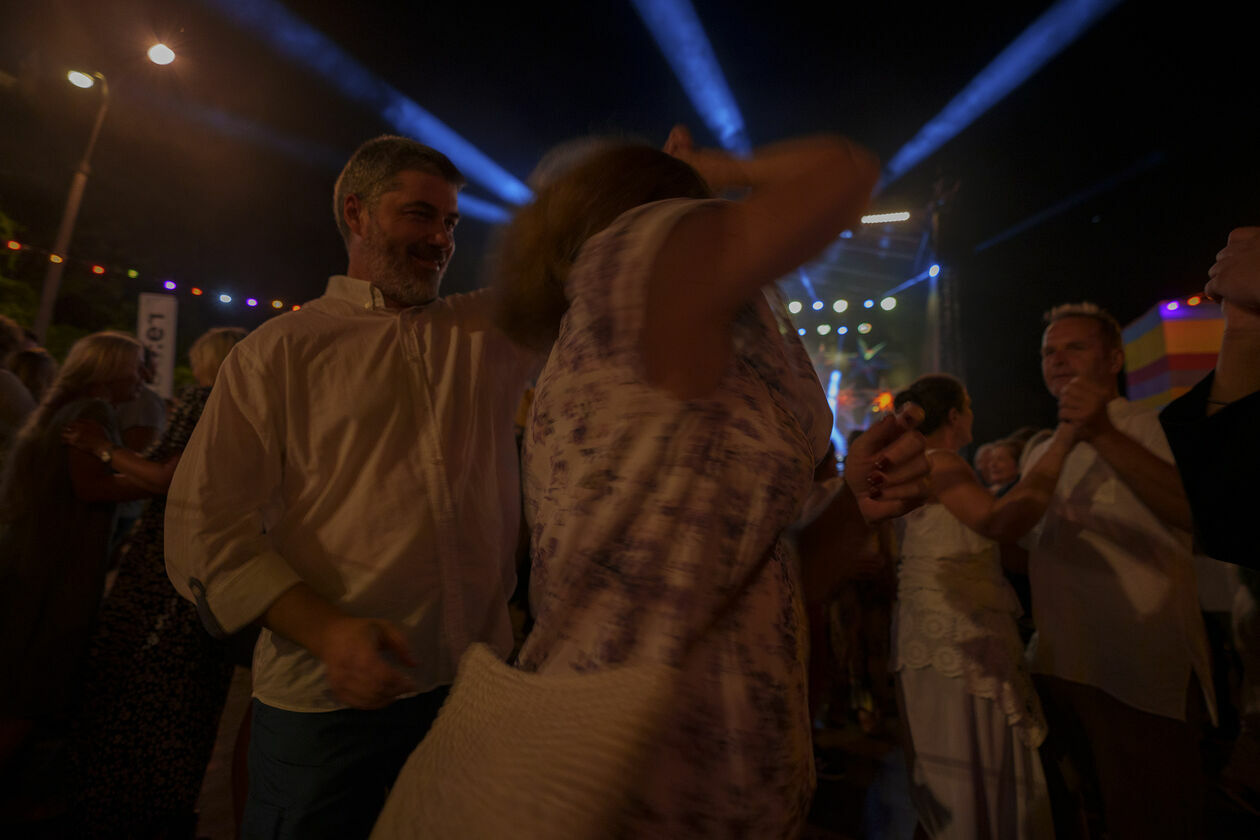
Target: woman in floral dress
673, 437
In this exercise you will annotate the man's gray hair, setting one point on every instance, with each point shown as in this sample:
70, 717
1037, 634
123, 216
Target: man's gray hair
1108, 326
372, 168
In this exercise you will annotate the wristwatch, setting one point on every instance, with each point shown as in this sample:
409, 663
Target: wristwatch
107, 455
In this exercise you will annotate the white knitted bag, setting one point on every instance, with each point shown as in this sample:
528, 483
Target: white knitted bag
521, 755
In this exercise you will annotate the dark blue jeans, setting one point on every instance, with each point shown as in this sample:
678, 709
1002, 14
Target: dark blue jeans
319, 775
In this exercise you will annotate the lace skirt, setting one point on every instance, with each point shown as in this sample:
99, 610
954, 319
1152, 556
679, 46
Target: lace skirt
976, 644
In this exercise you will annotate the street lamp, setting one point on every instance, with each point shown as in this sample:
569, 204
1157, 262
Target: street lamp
158, 54
161, 54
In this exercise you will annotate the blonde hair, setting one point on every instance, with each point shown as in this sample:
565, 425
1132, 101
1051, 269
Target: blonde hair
211, 348
981, 451
93, 360
1108, 327
540, 244
36, 368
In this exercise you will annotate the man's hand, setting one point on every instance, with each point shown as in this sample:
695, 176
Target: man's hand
1235, 277
1083, 404
886, 469
355, 652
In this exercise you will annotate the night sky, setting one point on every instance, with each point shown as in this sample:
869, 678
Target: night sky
217, 170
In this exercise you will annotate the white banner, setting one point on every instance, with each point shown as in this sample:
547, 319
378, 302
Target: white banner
155, 327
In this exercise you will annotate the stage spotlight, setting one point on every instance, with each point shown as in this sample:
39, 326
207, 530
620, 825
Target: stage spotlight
868, 304
225, 298
55, 258
888, 304
296, 307
816, 305
132, 273
840, 305
800, 331
1195, 301
864, 328
879, 218
1172, 306
846, 234
842, 330
195, 290
934, 270
277, 304
823, 329
13, 245
169, 285
251, 301
795, 307
98, 269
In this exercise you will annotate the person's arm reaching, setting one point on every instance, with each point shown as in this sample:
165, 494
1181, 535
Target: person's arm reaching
1235, 281
885, 476
218, 556
1006, 519
352, 649
802, 194
1153, 480
153, 476
94, 482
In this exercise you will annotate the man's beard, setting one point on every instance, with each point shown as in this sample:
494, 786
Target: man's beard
399, 280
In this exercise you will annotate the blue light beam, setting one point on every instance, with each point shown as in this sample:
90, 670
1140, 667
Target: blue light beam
916, 279
808, 285
1044, 38
312, 154
298, 40
833, 390
680, 35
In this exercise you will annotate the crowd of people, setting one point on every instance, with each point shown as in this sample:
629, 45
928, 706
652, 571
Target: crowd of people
342, 493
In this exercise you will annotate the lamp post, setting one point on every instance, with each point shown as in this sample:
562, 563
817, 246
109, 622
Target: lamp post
158, 54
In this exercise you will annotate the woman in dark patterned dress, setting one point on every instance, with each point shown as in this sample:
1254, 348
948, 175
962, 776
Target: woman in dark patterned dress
156, 680
673, 437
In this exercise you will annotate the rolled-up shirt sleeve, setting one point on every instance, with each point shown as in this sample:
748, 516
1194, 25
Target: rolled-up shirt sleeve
218, 554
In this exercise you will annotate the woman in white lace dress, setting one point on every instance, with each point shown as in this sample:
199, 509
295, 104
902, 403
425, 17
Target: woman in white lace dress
972, 719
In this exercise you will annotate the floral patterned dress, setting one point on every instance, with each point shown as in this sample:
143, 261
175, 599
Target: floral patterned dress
156, 683
645, 510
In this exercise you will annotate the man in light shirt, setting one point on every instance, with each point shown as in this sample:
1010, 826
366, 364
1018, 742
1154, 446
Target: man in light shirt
1121, 660
353, 486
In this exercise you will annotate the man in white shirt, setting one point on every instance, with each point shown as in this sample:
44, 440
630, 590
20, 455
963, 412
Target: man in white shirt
1121, 657
353, 486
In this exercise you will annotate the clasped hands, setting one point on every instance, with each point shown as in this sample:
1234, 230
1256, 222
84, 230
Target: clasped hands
887, 470
1234, 279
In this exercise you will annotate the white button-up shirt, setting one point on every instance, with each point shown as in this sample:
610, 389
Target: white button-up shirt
369, 453
1113, 588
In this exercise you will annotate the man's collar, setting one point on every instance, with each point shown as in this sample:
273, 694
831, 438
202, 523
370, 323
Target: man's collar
360, 293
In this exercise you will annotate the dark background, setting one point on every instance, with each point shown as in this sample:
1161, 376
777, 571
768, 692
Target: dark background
1166, 96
